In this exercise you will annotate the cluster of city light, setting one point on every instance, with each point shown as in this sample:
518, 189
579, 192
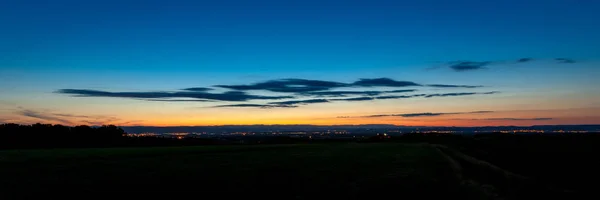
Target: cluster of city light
339, 132
444, 132
142, 135
532, 131
181, 135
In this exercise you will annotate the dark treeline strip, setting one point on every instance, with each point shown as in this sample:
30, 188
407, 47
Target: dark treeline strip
15, 136
41, 136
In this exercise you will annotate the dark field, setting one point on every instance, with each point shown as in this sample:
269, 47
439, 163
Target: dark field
287, 171
298, 171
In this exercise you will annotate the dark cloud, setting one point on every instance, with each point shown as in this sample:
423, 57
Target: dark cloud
354, 99
383, 82
465, 65
69, 119
373, 116
518, 119
263, 106
565, 60
396, 97
301, 102
434, 95
288, 85
227, 96
343, 93
313, 86
179, 100
281, 104
425, 114
43, 116
400, 96
102, 121
450, 94
69, 115
346, 93
399, 91
298, 87
461, 66
454, 86
524, 60
295, 103
459, 94
198, 89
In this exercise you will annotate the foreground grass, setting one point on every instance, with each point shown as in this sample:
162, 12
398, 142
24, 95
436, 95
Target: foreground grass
291, 171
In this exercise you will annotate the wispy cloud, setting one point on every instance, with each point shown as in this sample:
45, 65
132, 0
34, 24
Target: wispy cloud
198, 89
454, 86
68, 119
424, 114
70, 115
263, 106
296, 103
288, 85
354, 99
460, 94
516, 119
400, 96
43, 116
300, 102
565, 60
383, 82
227, 96
461, 66
298, 88
524, 60
348, 93
469, 65
179, 100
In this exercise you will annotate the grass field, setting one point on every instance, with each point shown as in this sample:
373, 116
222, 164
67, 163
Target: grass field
285, 171
343, 170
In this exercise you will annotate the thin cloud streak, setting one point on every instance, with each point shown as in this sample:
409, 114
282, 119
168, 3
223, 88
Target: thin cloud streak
460, 94
461, 66
288, 85
424, 114
565, 60
467, 65
314, 101
301, 102
227, 96
454, 86
517, 119
262, 106
347, 93
43, 116
383, 82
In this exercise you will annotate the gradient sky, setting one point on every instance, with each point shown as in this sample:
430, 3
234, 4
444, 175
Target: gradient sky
153, 49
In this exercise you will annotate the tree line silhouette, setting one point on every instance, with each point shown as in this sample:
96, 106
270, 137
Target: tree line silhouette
16, 136
40, 136
51, 136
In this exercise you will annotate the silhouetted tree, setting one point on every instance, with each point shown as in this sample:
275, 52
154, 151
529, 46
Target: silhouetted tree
54, 136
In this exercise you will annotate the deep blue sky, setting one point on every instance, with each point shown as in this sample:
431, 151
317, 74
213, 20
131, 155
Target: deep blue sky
165, 45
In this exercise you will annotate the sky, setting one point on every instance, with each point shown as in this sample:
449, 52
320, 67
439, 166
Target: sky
414, 63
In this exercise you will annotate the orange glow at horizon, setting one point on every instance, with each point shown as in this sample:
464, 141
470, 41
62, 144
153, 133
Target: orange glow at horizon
502, 118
